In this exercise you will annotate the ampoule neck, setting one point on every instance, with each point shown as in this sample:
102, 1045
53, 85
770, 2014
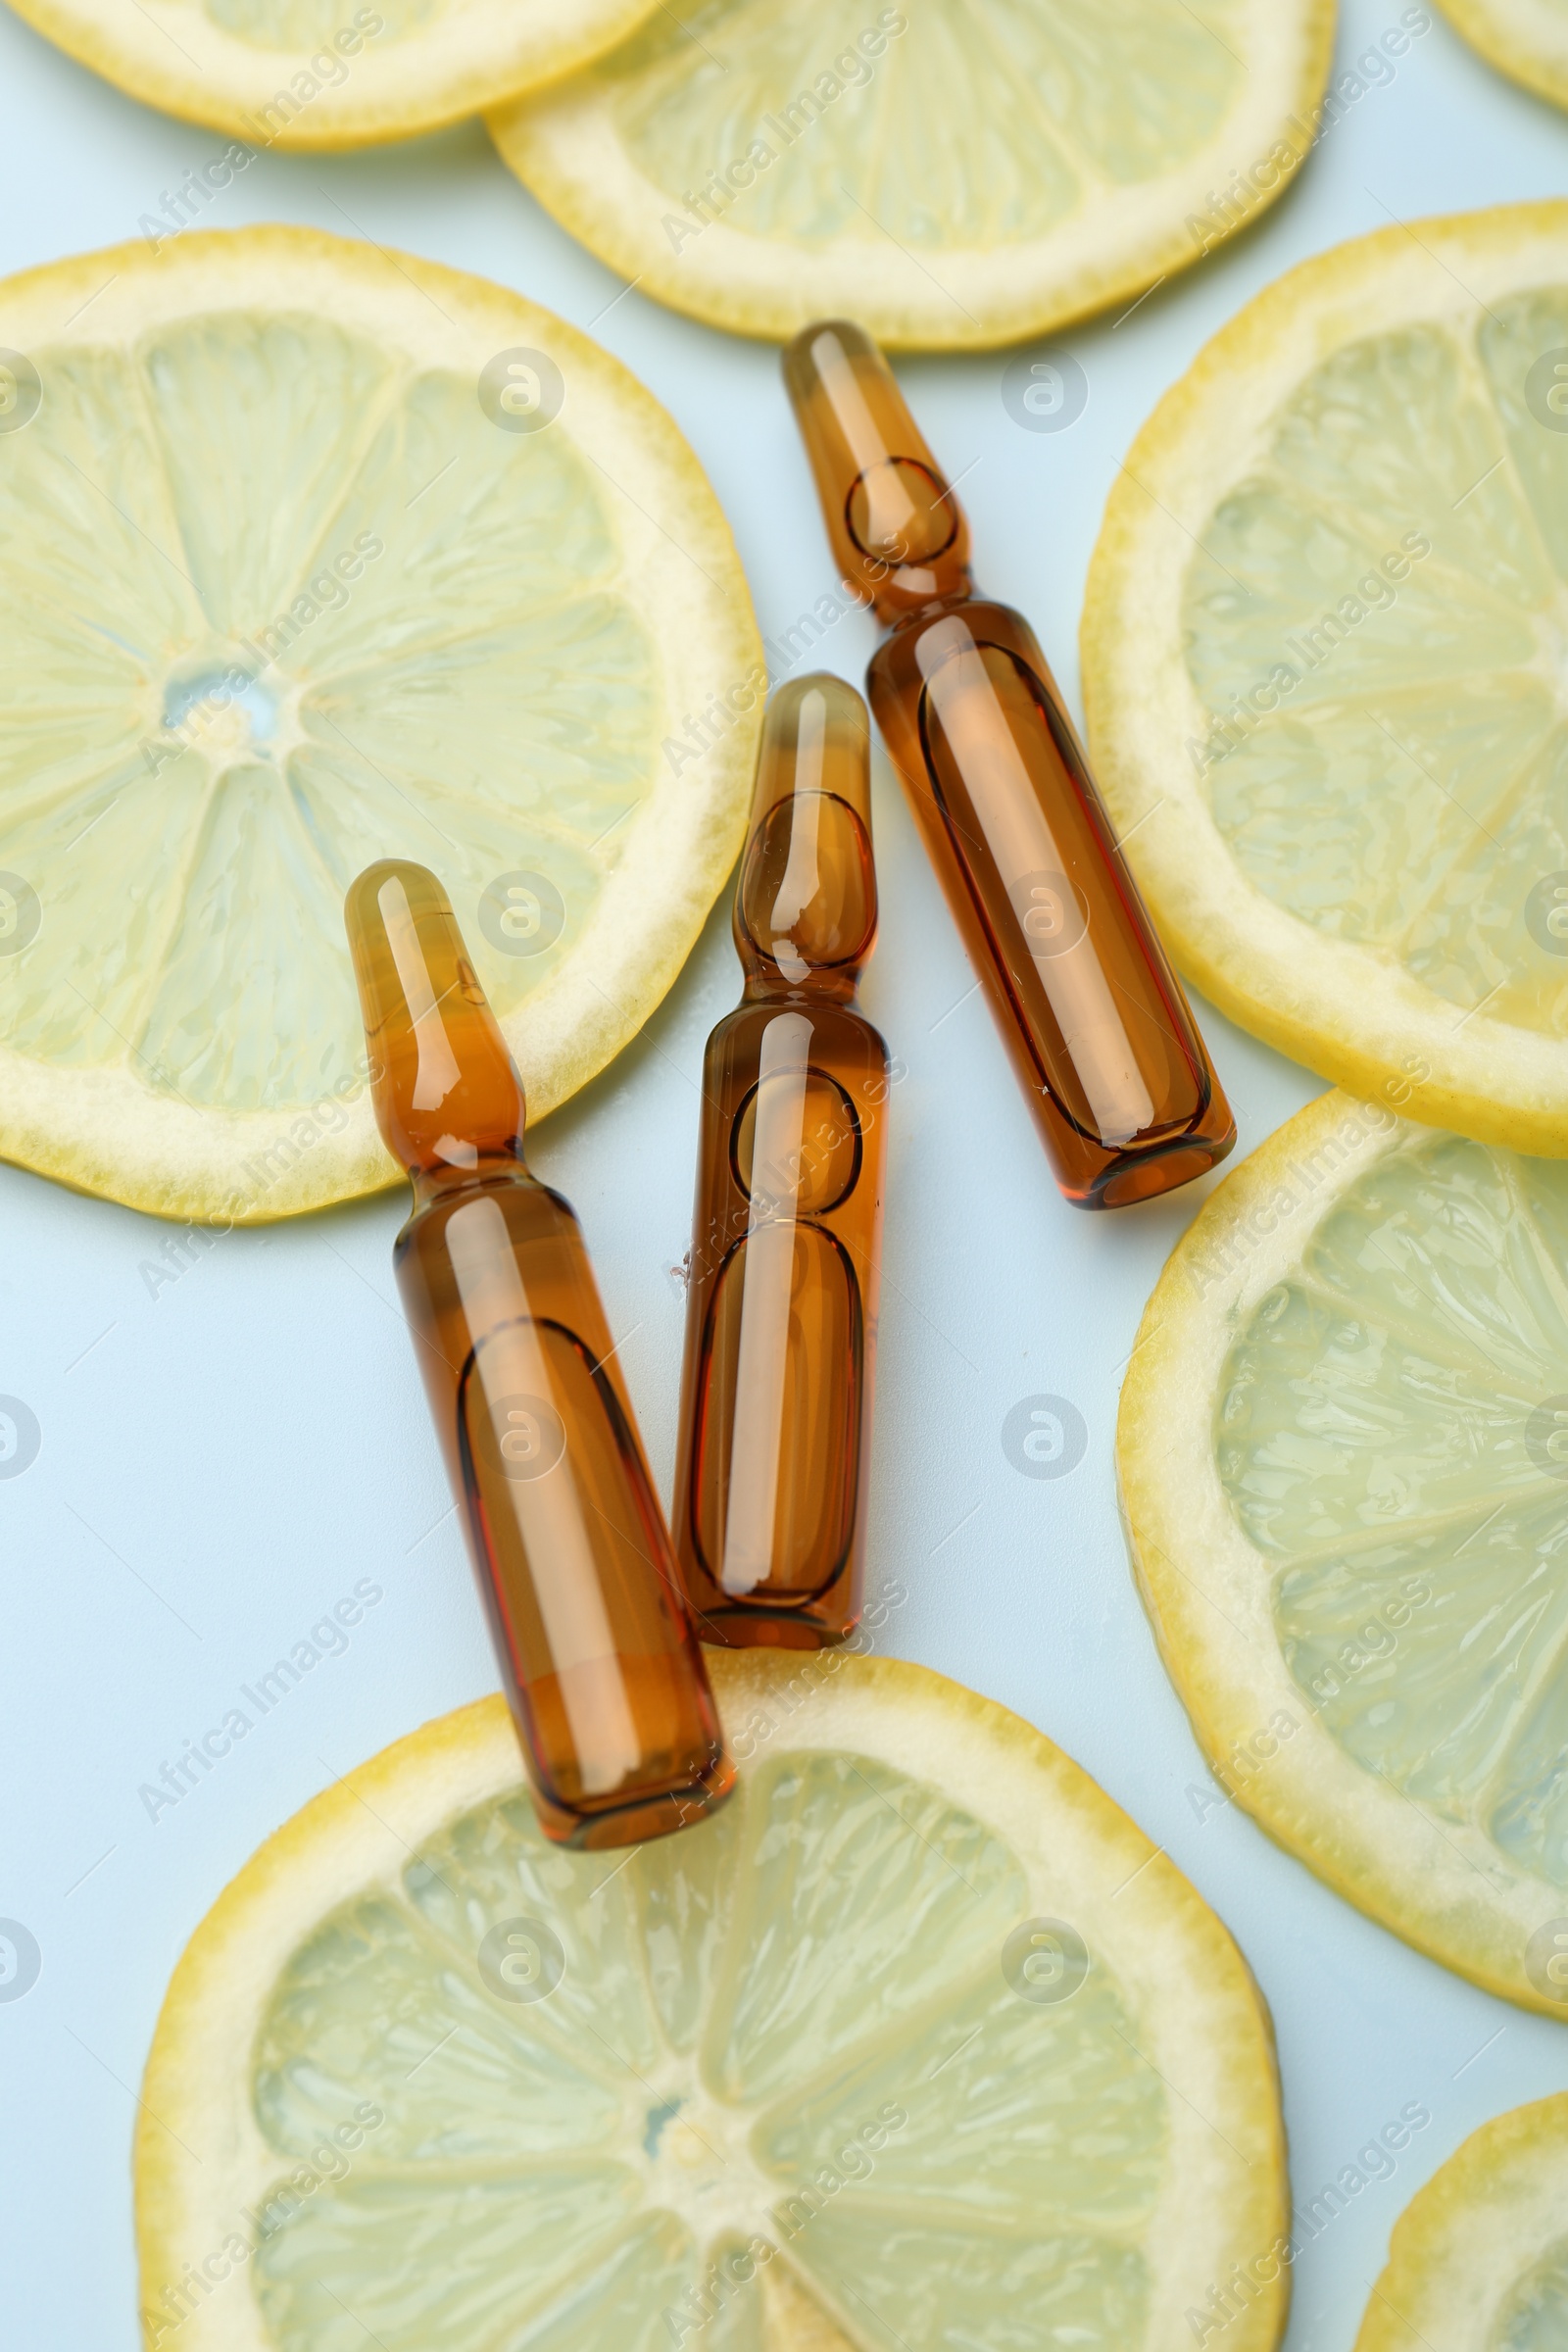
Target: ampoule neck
764, 984
920, 616
896, 527
444, 1181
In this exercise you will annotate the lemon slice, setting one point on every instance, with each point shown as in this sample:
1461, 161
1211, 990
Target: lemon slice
964, 173
325, 73
1326, 668
1343, 1457
1526, 38
1479, 2260
308, 556
918, 2042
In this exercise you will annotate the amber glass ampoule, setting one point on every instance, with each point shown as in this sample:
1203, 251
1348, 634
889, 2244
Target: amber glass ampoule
1092, 1017
772, 1459
601, 1667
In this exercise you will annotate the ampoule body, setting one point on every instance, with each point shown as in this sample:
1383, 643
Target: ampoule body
773, 1455
598, 1659
1092, 1016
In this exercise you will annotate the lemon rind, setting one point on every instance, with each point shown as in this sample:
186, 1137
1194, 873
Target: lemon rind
1346, 1011
421, 83
1225, 2199
563, 149
105, 1133
1485, 2218
1521, 38
1206, 1589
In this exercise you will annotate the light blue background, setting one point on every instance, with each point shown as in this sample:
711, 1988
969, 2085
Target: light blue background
220, 1464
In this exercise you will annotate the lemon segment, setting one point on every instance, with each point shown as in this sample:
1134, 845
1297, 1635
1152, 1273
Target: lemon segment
290, 587
957, 175
327, 73
1343, 1458
918, 2038
1479, 2258
1326, 669
1525, 38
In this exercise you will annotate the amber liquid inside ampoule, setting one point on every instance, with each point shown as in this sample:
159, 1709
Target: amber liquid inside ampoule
1092, 1016
773, 1455
575, 1563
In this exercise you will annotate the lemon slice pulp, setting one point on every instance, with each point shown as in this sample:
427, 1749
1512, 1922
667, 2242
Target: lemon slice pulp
1527, 38
328, 73
289, 586
1326, 668
964, 173
917, 2042
1479, 2260
1343, 1456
